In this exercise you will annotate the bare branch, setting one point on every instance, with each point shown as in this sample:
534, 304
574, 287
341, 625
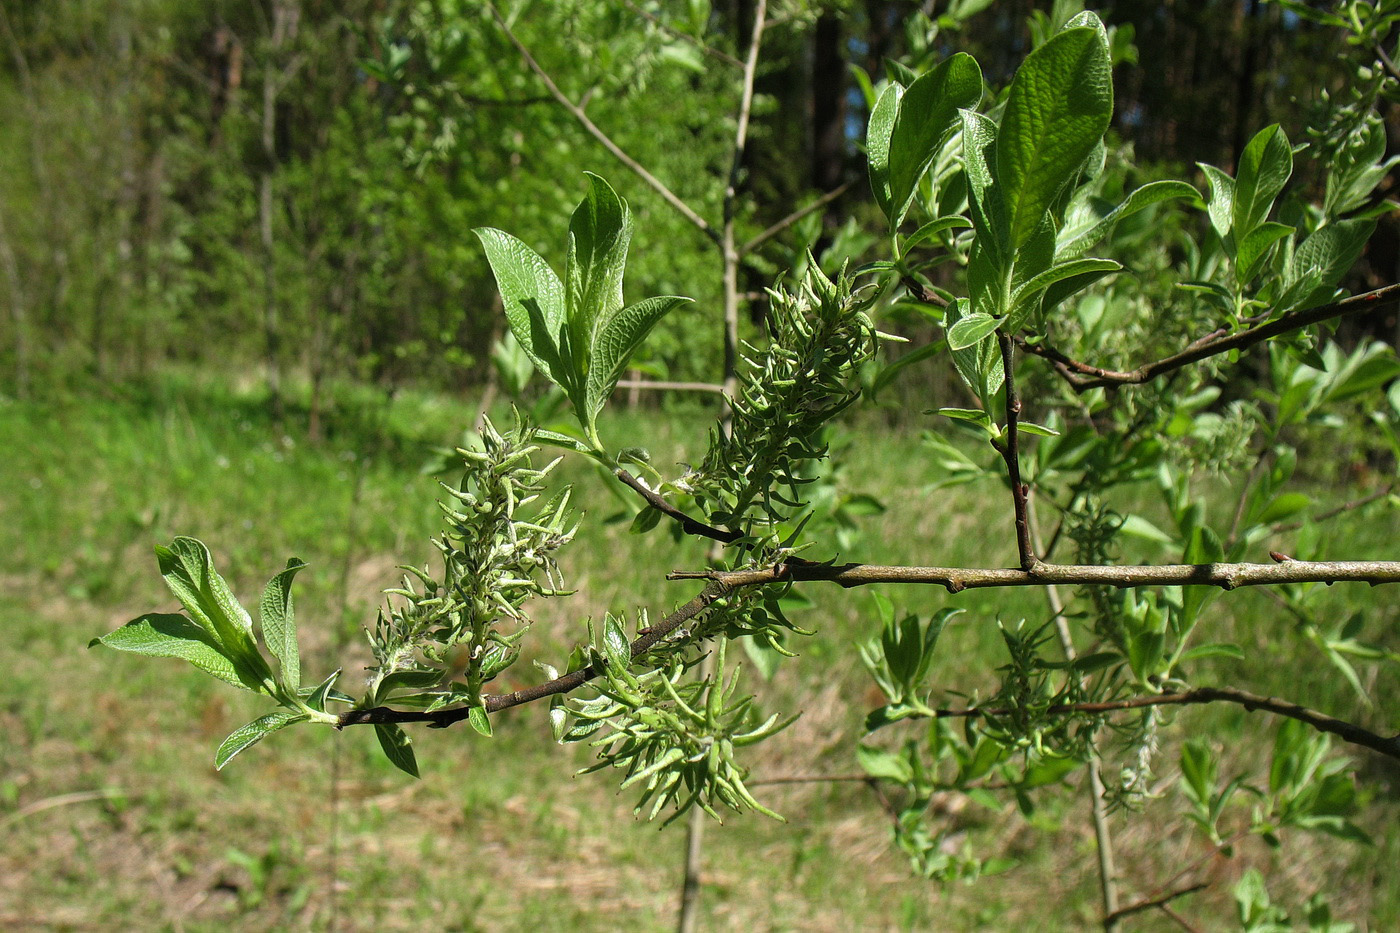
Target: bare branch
1348, 731
793, 218
660, 386
578, 114
689, 525
1340, 509
672, 31
1083, 377
957, 579
1155, 902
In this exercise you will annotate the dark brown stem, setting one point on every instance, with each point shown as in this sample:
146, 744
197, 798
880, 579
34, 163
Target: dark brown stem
689, 525
957, 579
1347, 731
1155, 902
563, 684
1009, 449
1083, 377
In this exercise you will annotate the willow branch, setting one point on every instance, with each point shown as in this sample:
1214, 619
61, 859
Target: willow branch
644, 642
957, 579
1083, 377
1348, 731
657, 385
1009, 450
578, 113
1155, 902
690, 526
1340, 509
672, 31
793, 218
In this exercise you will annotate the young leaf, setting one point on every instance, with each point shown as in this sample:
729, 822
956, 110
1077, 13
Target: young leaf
1253, 248
527, 284
928, 112
1264, 168
599, 234
397, 746
318, 697
190, 575
251, 734
618, 336
1086, 271
985, 199
969, 330
1328, 254
279, 625
169, 635
616, 648
1221, 205
480, 721
1075, 239
877, 145
1059, 107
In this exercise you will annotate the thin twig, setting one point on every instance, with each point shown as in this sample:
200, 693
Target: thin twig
672, 31
957, 579
1098, 806
793, 218
1162, 901
690, 526
60, 800
1348, 731
1338, 510
1009, 450
563, 684
661, 386
578, 114
1083, 377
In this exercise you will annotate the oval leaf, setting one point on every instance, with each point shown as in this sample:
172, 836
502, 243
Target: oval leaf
527, 283
168, 635
279, 625
251, 734
1059, 107
928, 113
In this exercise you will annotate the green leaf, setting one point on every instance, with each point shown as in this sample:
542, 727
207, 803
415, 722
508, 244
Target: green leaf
533, 298
985, 200
1074, 269
882, 764
555, 439
1264, 168
928, 113
1048, 771
1081, 232
599, 234
1253, 248
969, 330
251, 734
190, 575
616, 646
1059, 107
279, 625
1284, 506
169, 635
479, 719
1328, 254
1221, 205
877, 144
934, 227
318, 697
397, 746
618, 335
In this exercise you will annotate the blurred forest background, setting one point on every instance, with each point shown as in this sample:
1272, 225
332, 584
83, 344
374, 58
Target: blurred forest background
240, 299
288, 186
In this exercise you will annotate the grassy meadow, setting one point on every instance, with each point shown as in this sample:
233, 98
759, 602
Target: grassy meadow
112, 817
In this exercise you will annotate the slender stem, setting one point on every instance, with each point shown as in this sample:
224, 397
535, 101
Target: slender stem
1340, 509
657, 385
578, 114
564, 684
793, 218
1083, 377
1348, 731
1156, 902
688, 915
957, 579
672, 31
1098, 806
1009, 449
689, 525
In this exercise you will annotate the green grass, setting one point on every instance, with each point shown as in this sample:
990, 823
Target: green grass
498, 834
